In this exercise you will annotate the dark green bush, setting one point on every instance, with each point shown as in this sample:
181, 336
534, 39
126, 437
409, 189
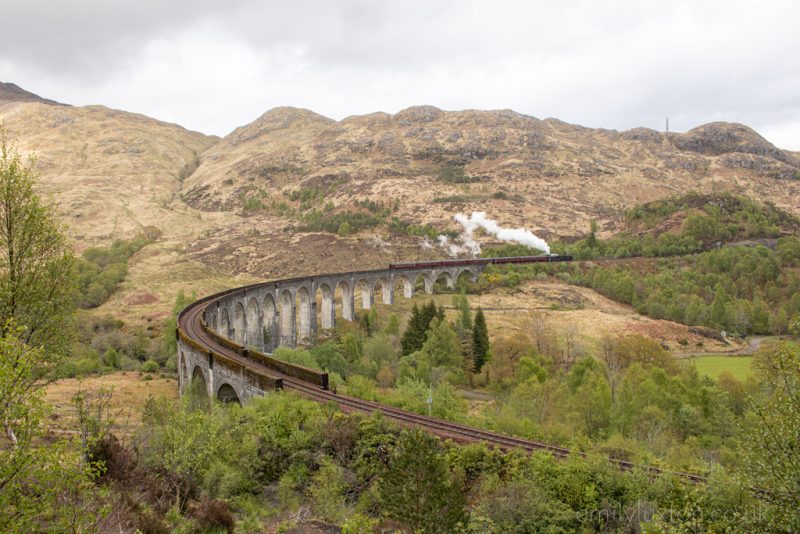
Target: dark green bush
101, 270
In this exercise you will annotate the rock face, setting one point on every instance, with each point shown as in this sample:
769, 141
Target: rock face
546, 174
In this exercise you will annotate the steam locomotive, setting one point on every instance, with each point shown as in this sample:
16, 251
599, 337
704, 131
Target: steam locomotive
547, 258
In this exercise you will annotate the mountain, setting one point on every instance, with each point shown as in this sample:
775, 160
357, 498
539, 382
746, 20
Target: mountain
430, 164
251, 205
109, 172
10, 92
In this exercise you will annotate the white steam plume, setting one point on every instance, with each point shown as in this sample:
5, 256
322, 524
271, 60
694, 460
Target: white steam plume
478, 220
467, 246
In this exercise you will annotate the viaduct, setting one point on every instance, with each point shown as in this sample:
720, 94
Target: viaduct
225, 340
254, 320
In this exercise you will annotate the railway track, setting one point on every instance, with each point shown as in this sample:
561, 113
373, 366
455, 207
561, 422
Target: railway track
190, 325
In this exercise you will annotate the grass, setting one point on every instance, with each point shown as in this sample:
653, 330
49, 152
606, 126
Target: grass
712, 366
130, 390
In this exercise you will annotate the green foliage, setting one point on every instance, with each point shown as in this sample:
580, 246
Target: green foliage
480, 340
455, 174
327, 491
341, 222
297, 357
464, 321
41, 480
709, 220
252, 203
746, 290
794, 326
413, 394
439, 358
414, 335
101, 270
771, 440
36, 264
103, 345
328, 357
181, 443
402, 227
359, 524
591, 240
418, 488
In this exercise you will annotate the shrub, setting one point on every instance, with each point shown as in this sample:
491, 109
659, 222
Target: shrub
101, 270
213, 514
150, 366
455, 174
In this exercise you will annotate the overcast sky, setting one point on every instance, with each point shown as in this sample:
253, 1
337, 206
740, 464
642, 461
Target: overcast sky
213, 65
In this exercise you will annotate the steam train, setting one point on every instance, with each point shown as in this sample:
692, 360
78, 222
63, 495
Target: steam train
547, 258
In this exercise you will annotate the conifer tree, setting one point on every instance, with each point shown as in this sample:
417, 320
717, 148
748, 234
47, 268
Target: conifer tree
410, 340
418, 487
428, 312
421, 318
480, 340
464, 322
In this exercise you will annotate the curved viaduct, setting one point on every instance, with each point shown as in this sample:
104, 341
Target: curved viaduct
224, 341
254, 320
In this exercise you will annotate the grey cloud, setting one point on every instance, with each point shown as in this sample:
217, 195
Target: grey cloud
212, 65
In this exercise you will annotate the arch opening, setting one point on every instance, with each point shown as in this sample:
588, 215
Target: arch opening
239, 324
270, 334
198, 385
255, 338
465, 279
224, 323
406, 286
444, 282
423, 282
227, 394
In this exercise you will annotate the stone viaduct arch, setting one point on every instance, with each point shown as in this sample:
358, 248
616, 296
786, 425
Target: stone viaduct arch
227, 393
225, 323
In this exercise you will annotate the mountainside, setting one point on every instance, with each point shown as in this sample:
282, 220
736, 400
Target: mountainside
545, 174
295, 192
10, 92
110, 173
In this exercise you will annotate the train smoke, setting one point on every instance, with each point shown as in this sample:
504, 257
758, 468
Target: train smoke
478, 220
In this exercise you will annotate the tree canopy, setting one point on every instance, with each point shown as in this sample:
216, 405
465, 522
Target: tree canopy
36, 263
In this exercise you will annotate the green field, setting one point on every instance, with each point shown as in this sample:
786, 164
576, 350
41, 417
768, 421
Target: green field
712, 366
